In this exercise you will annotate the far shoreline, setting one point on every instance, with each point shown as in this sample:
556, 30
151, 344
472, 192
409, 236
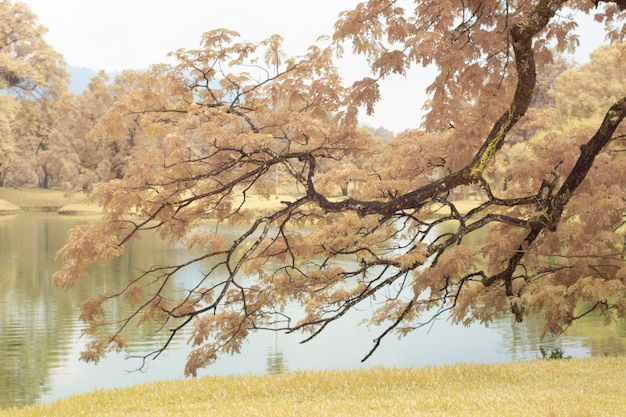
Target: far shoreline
17, 200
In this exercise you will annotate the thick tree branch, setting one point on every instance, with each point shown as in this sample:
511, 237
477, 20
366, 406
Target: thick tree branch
522, 34
557, 203
588, 153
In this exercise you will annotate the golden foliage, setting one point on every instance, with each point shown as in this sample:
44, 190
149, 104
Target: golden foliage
133, 294
417, 256
92, 309
97, 348
84, 250
27, 62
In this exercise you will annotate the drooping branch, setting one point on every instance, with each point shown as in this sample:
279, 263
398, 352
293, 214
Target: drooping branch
387, 248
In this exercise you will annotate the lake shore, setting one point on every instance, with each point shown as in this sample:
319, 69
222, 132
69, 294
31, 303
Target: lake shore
15, 200
550, 388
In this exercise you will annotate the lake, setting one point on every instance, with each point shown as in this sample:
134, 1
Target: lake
40, 330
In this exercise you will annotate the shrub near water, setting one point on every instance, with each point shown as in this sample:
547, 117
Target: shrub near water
574, 388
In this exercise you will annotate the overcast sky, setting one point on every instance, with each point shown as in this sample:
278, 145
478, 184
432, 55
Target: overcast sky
133, 34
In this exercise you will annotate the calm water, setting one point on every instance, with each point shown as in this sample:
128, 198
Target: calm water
40, 332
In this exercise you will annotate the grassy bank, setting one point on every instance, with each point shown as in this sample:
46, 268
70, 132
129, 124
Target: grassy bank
38, 198
573, 388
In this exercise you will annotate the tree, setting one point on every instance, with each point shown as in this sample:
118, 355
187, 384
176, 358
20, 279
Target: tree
32, 77
28, 65
92, 157
117, 146
8, 109
554, 243
41, 149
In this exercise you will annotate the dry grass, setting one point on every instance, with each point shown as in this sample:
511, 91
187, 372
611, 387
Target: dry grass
573, 388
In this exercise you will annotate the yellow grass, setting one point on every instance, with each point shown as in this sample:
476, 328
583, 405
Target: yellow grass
573, 388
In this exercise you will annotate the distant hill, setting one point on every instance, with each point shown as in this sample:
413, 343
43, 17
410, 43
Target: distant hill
80, 77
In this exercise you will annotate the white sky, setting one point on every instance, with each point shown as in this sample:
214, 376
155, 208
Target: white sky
133, 34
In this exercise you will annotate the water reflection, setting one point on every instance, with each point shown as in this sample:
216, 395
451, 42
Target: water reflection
33, 328
40, 333
276, 363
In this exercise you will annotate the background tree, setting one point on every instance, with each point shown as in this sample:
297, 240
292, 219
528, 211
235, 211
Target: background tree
8, 109
41, 146
118, 146
28, 65
91, 157
226, 122
33, 75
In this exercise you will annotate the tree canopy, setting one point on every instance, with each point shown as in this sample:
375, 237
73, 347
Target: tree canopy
542, 152
28, 65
